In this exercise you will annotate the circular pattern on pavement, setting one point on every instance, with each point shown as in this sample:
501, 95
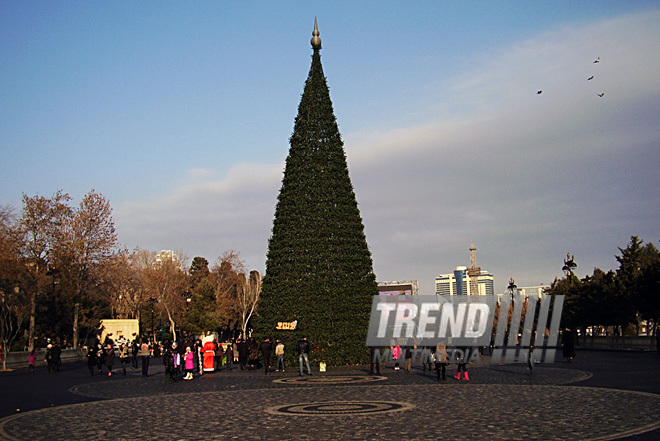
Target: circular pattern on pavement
136, 386
334, 408
329, 379
469, 411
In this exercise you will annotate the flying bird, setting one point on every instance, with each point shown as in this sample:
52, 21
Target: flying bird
590, 78
597, 60
539, 92
601, 94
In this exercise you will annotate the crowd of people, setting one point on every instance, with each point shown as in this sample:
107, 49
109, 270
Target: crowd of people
200, 355
437, 359
193, 356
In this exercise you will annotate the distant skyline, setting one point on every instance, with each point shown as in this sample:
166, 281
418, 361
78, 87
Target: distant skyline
180, 114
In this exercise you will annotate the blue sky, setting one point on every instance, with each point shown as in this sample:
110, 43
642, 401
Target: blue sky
180, 114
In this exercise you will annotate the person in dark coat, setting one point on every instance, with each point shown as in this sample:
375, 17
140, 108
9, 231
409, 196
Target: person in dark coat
304, 348
91, 358
100, 358
568, 344
168, 362
243, 353
229, 353
49, 358
266, 348
109, 358
375, 360
57, 356
134, 353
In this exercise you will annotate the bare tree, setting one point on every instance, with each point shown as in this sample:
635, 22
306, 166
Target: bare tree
124, 290
249, 292
166, 281
226, 276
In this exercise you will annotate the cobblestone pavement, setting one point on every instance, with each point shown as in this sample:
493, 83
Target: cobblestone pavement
498, 403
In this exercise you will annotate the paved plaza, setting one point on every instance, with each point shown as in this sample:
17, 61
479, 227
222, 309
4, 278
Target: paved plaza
600, 396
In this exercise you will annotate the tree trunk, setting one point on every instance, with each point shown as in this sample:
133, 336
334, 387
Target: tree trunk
172, 324
33, 311
76, 307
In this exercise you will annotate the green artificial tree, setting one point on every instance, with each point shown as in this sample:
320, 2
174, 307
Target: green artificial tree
319, 271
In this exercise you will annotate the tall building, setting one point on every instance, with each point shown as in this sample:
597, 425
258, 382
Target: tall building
466, 281
458, 283
474, 271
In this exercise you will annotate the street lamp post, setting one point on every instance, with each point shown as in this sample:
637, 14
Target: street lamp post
188, 298
569, 265
512, 286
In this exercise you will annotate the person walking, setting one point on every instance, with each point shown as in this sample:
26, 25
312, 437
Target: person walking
441, 360
279, 353
100, 358
461, 357
304, 348
109, 358
145, 354
266, 348
91, 358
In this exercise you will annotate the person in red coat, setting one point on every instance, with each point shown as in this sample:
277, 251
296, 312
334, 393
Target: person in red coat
208, 351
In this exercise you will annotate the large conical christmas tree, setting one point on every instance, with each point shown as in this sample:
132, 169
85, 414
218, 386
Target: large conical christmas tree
319, 271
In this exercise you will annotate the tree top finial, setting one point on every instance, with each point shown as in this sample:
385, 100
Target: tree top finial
316, 41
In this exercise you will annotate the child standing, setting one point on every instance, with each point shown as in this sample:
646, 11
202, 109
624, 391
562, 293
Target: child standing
189, 360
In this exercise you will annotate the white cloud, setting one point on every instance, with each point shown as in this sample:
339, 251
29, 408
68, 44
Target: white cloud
529, 177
